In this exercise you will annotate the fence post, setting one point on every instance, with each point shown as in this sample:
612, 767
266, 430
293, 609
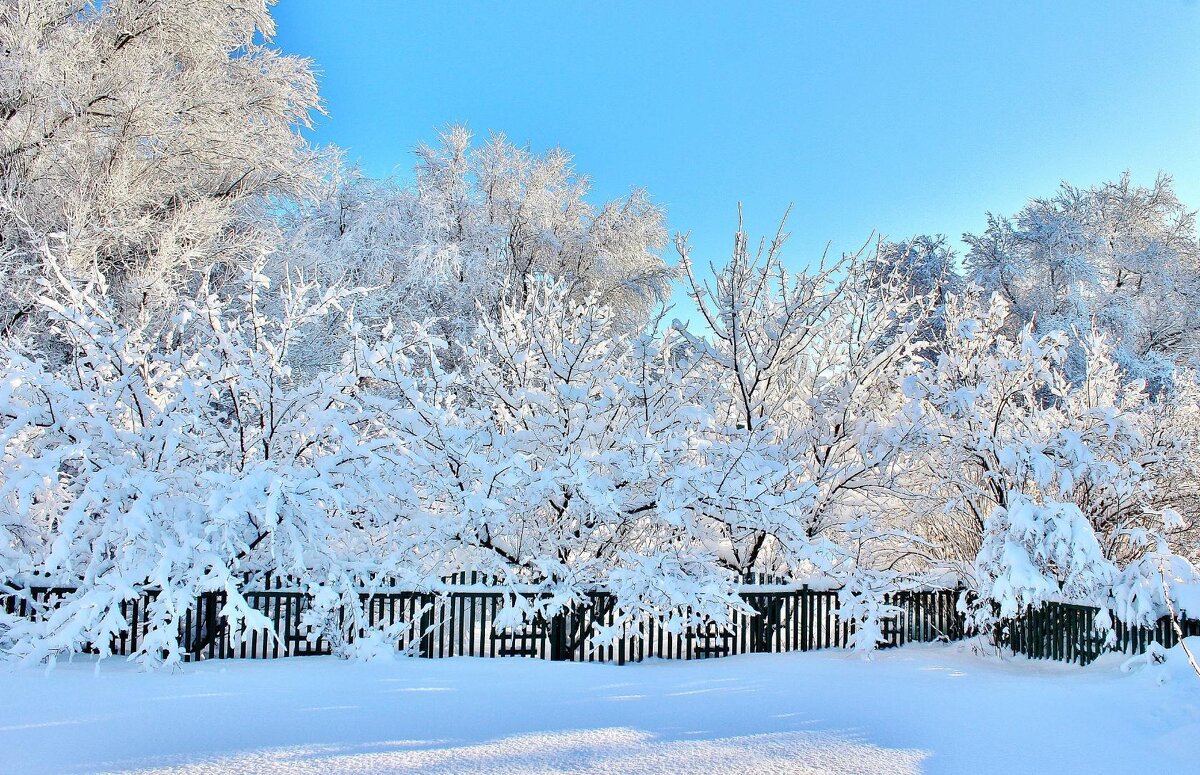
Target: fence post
765, 621
805, 638
209, 632
558, 637
426, 633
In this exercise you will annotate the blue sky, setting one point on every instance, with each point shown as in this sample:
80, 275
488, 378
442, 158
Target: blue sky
895, 118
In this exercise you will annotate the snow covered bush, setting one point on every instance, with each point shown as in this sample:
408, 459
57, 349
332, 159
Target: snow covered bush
176, 457
1138, 594
1034, 552
567, 453
861, 602
1043, 488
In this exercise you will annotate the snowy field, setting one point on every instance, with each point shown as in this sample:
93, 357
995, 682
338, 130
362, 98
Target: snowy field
919, 709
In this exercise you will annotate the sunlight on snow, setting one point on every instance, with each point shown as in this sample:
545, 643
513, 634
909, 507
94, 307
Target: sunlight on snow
612, 750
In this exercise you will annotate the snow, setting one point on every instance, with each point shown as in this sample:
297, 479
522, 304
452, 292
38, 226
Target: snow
1187, 597
917, 709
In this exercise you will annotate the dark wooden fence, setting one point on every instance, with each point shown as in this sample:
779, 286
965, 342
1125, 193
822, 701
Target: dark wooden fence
462, 622
37, 602
1067, 633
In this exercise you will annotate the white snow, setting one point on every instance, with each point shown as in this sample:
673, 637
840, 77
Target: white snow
917, 709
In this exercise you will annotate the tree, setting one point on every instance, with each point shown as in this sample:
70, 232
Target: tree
567, 459
811, 423
927, 266
1123, 256
146, 139
131, 467
481, 227
1038, 487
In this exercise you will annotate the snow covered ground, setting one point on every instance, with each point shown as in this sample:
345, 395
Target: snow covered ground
918, 709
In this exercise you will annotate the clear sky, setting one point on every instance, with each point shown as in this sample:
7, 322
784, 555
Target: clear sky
895, 118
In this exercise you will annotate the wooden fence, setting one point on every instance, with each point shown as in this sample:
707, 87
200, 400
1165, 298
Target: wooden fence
462, 622
1067, 633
